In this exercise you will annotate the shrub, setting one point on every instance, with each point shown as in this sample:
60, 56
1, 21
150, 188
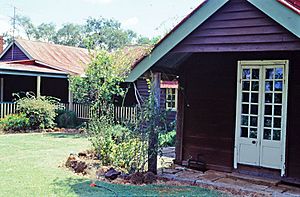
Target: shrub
167, 139
15, 122
41, 111
116, 145
66, 119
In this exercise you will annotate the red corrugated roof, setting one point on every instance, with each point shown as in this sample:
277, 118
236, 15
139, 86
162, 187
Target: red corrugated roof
65, 58
28, 68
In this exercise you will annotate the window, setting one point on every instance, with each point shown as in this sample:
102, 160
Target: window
171, 99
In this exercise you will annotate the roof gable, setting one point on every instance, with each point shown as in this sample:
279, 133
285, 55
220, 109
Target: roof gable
12, 53
285, 17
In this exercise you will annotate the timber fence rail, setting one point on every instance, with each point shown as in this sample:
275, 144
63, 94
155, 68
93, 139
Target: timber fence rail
83, 111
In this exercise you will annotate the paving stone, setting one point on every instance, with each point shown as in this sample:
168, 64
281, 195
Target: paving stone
170, 171
189, 174
242, 183
254, 179
213, 175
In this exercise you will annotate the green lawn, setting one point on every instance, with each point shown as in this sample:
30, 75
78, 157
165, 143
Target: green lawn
29, 167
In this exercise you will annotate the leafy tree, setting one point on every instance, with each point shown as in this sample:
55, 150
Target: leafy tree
26, 25
45, 32
147, 41
70, 34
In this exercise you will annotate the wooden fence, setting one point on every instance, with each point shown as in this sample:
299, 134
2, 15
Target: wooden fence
83, 111
7, 108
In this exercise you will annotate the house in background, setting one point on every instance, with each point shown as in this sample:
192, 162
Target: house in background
238, 63
44, 68
39, 67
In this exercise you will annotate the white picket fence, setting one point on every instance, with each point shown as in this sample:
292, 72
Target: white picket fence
7, 108
83, 111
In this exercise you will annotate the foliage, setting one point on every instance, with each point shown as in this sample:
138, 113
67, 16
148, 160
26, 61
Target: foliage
15, 122
66, 119
116, 145
41, 111
103, 77
167, 139
95, 33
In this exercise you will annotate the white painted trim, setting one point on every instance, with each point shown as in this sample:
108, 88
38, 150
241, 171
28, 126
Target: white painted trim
284, 117
175, 101
238, 120
38, 86
284, 106
1, 89
70, 98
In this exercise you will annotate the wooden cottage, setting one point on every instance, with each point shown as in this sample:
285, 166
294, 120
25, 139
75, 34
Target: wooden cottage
238, 63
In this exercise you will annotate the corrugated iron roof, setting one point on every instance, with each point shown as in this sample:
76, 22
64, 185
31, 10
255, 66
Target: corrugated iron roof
28, 68
65, 58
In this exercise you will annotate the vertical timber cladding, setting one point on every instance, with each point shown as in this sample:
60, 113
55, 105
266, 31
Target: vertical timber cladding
209, 121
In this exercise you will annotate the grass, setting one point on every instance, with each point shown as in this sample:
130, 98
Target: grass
29, 166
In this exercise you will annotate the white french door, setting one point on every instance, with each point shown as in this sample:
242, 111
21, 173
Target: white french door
261, 114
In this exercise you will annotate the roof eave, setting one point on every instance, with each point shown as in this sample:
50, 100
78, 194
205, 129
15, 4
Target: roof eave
187, 27
285, 17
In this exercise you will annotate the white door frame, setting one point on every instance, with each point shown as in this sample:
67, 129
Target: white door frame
284, 106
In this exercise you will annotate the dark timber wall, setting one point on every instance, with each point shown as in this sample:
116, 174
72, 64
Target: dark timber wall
239, 26
209, 121
238, 31
55, 87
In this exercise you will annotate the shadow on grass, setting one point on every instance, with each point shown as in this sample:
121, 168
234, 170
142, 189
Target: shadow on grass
66, 135
81, 187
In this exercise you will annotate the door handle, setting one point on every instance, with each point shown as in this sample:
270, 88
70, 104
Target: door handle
254, 142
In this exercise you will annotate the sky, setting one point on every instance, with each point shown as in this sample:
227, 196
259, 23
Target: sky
146, 17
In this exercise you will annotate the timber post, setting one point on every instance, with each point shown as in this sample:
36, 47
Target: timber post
1, 89
153, 135
38, 86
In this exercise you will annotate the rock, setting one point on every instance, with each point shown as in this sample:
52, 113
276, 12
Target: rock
137, 178
82, 154
71, 161
149, 178
80, 167
112, 174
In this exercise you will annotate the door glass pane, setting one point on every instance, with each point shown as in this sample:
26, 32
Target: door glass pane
268, 122
253, 133
268, 109
255, 73
246, 73
245, 109
279, 73
255, 86
244, 120
277, 110
244, 132
278, 98
277, 123
276, 135
278, 85
245, 97
254, 97
246, 85
270, 73
269, 98
254, 109
269, 86
267, 134
253, 121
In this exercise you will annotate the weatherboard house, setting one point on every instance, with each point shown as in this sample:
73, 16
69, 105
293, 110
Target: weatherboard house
43, 68
238, 63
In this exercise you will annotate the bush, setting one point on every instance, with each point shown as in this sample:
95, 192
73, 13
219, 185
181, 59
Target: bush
167, 139
41, 111
15, 122
116, 145
66, 119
